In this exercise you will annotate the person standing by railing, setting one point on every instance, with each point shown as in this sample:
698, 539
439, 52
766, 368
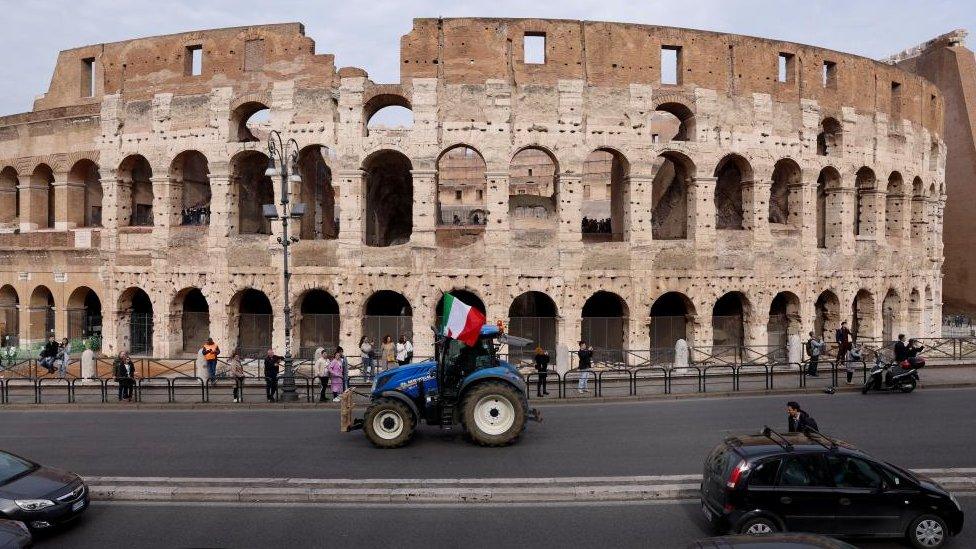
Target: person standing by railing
124, 372
815, 347
542, 367
321, 370
366, 355
49, 354
585, 355
845, 340
271, 361
210, 351
335, 375
236, 369
388, 350
64, 356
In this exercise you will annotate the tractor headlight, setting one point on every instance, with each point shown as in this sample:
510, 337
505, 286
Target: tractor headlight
34, 504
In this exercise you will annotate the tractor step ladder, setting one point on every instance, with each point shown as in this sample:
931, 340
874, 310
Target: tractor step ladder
447, 417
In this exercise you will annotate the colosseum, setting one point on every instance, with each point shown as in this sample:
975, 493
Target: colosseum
626, 184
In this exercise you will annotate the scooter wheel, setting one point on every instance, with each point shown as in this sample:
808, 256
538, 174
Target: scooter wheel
864, 390
909, 387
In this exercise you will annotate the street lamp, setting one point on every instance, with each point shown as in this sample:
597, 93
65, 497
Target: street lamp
283, 162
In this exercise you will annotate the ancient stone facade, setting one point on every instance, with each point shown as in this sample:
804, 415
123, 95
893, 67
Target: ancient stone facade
754, 188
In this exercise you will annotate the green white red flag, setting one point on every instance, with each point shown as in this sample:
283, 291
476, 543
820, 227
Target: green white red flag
461, 321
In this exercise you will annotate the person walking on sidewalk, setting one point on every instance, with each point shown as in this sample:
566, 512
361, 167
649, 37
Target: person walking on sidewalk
335, 375
124, 372
271, 361
236, 370
321, 371
210, 351
585, 355
815, 348
542, 367
797, 420
854, 354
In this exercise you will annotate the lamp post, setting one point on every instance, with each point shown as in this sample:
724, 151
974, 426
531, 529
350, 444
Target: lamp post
283, 162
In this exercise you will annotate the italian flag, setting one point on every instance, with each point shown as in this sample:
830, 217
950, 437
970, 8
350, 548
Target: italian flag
461, 322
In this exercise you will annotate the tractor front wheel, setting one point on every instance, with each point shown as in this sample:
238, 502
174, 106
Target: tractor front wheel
389, 423
494, 414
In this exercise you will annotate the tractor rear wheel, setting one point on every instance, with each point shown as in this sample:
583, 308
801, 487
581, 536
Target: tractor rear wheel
494, 414
389, 423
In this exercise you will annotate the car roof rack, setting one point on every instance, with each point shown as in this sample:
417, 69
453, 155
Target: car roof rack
820, 438
777, 438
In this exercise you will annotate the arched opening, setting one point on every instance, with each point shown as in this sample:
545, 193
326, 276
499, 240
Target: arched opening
136, 321
461, 200
319, 323
389, 199
9, 199
189, 174
672, 122
867, 204
321, 219
934, 156
42, 195
195, 319
918, 210
255, 319
250, 121
85, 178
671, 316
827, 314
928, 313
254, 189
828, 226
784, 321
533, 190
830, 138
85, 316
915, 313
604, 326
466, 297
533, 315
728, 325
731, 174
890, 308
135, 173
894, 208
387, 112
388, 313
41, 314
863, 315
605, 196
9, 317
669, 200
786, 176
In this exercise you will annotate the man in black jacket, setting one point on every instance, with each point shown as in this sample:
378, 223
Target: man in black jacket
271, 361
542, 367
49, 353
798, 421
901, 350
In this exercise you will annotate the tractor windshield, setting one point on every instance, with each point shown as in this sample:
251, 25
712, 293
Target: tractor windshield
463, 359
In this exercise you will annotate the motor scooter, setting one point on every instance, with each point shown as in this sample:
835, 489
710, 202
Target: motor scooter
891, 376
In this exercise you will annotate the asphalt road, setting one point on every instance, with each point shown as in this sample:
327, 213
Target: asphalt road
929, 428
660, 524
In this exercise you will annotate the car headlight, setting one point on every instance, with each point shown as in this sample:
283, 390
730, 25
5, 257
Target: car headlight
34, 504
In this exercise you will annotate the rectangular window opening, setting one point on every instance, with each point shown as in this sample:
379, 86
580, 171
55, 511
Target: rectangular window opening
786, 68
829, 74
88, 77
895, 101
534, 48
671, 65
194, 60
457, 195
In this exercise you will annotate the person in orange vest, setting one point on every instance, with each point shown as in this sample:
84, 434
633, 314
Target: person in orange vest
210, 351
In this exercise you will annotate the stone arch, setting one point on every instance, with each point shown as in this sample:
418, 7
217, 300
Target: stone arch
9, 316
318, 322
826, 314
461, 182
135, 321
672, 318
321, 219
534, 315
388, 198
387, 312
867, 204
786, 178
84, 183
670, 197
135, 174
830, 140
41, 314
732, 173
533, 189
915, 307
863, 315
84, 310
189, 174
928, 313
606, 195
249, 120
9, 198
192, 308
783, 322
42, 212
890, 316
894, 207
918, 220
604, 324
729, 315
672, 120
383, 108
251, 322
253, 189
829, 226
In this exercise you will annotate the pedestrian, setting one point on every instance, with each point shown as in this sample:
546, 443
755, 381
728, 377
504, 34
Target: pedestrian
844, 339
366, 357
815, 347
335, 375
210, 351
345, 366
542, 367
321, 371
404, 351
388, 349
271, 361
49, 354
854, 354
124, 372
585, 355
797, 420
236, 369
901, 349
64, 357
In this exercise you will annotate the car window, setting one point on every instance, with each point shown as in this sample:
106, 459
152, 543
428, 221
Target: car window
722, 461
850, 472
803, 470
11, 466
764, 474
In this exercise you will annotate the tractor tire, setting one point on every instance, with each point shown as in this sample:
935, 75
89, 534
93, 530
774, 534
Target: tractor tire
389, 423
494, 414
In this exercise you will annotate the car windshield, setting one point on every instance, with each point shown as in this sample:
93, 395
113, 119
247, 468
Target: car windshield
905, 472
12, 466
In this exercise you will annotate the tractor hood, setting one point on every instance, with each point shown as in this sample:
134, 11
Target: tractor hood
402, 377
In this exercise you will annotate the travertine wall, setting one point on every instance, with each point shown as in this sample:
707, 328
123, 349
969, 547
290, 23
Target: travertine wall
749, 140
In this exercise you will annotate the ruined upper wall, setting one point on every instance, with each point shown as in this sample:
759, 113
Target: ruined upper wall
473, 50
247, 59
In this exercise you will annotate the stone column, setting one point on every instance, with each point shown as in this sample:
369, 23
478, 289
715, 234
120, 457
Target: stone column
123, 203
496, 201
424, 208
423, 337
641, 206
110, 326
895, 211
919, 221
223, 205
840, 219
638, 331
699, 327
8, 205
69, 203
933, 242
806, 210
873, 218
167, 199
568, 328
162, 342
351, 185
701, 212
24, 323
755, 203
33, 205
570, 206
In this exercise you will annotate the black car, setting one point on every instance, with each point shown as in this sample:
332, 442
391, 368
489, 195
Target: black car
771, 541
39, 496
766, 483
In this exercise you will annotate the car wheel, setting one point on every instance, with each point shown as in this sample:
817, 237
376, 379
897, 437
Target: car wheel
759, 526
388, 423
928, 532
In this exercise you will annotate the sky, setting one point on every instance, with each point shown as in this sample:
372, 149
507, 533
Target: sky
367, 34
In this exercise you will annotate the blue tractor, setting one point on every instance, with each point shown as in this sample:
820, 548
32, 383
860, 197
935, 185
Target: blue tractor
464, 385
